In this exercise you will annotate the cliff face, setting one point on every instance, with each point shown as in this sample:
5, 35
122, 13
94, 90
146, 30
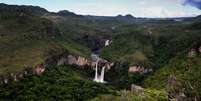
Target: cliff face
74, 60
40, 68
10, 77
194, 51
139, 69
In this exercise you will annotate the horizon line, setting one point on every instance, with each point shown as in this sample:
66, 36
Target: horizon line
56, 11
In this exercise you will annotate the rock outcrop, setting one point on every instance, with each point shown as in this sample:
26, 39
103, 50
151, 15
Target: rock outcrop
74, 60
139, 69
39, 69
136, 89
71, 60
81, 61
60, 60
192, 53
10, 77
175, 92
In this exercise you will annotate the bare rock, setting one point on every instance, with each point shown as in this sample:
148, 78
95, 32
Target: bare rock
62, 61
192, 53
71, 60
82, 61
139, 69
136, 89
39, 69
174, 89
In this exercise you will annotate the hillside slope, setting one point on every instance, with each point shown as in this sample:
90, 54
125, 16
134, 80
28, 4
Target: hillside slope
26, 38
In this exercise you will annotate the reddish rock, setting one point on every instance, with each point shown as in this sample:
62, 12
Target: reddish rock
71, 60
39, 69
82, 61
139, 69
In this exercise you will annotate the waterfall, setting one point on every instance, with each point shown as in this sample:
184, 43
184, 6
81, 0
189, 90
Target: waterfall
96, 71
99, 78
102, 74
95, 58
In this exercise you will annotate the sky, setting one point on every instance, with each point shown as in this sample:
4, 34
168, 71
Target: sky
138, 8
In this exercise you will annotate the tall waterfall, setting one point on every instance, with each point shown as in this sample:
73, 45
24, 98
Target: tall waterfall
95, 58
96, 71
102, 74
99, 78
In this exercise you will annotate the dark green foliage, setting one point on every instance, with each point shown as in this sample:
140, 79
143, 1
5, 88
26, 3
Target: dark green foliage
123, 79
120, 78
58, 83
28, 10
191, 80
169, 46
196, 25
68, 14
134, 48
187, 72
26, 39
136, 78
29, 35
167, 54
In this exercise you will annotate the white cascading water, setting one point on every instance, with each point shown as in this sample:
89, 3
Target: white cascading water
96, 71
99, 78
102, 75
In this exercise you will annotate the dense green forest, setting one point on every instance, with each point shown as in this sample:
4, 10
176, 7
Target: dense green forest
58, 83
30, 35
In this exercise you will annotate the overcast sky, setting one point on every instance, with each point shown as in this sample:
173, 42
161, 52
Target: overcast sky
138, 8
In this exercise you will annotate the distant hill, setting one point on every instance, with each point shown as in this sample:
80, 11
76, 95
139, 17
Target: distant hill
34, 10
29, 35
67, 13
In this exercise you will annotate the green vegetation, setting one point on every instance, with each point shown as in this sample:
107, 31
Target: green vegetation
30, 35
147, 95
134, 48
25, 39
187, 73
20, 45
58, 83
166, 50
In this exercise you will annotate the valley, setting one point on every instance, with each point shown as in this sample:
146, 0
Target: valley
63, 56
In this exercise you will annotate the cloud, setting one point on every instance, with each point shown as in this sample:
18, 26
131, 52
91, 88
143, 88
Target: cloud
160, 11
195, 3
142, 3
99, 9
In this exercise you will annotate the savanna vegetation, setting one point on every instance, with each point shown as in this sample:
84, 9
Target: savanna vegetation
30, 35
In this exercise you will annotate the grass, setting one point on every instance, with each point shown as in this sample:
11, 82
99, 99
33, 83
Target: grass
27, 39
74, 47
16, 59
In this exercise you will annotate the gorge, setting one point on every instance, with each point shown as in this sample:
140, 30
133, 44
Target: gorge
59, 56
